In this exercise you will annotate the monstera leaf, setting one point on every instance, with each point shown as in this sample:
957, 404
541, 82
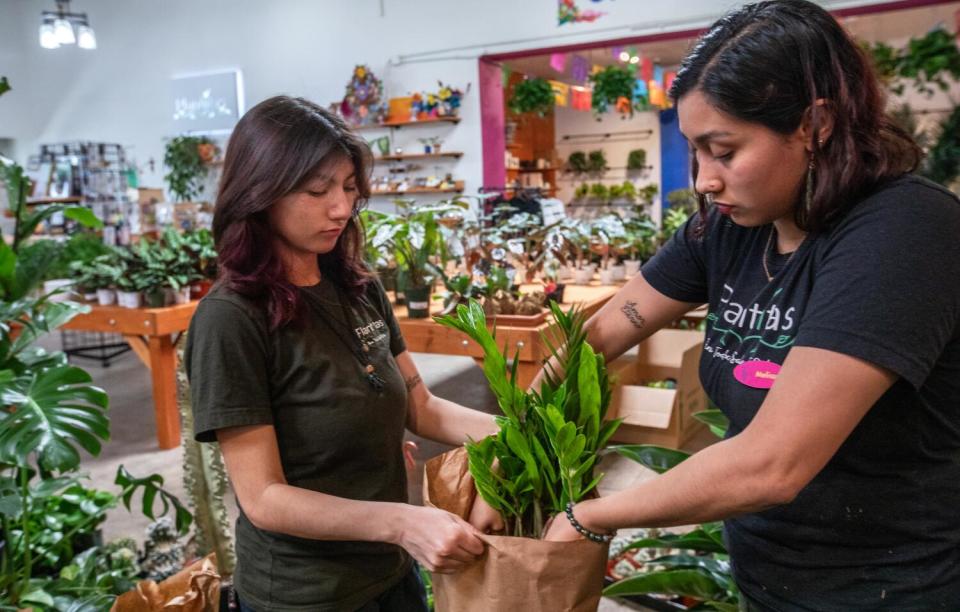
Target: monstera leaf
49, 411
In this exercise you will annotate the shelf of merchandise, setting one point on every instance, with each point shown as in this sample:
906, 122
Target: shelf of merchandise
413, 156
63, 200
400, 124
417, 191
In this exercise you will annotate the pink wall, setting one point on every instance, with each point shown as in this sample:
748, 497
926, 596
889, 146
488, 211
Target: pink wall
493, 124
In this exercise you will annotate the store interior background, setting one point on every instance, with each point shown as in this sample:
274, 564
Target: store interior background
120, 91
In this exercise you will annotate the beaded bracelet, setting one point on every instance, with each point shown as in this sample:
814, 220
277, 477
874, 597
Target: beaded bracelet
599, 538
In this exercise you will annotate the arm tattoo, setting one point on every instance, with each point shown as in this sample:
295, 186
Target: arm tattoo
412, 382
630, 311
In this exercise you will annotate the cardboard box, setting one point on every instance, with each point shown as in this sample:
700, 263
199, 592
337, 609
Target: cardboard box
659, 416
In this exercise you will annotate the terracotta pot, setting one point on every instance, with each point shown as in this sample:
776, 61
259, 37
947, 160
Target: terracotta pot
206, 152
200, 288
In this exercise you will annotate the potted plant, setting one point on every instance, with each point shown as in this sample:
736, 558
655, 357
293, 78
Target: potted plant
610, 86
102, 275
414, 238
542, 458
637, 160
597, 162
188, 158
599, 194
532, 95
199, 248
577, 162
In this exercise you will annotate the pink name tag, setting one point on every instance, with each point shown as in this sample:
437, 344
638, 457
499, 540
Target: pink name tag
757, 374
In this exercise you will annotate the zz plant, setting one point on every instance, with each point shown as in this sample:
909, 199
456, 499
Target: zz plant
546, 451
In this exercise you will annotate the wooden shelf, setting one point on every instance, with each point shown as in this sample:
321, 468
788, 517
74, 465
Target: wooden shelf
400, 124
406, 156
66, 200
416, 190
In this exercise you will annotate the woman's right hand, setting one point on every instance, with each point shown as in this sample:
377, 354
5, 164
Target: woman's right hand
440, 541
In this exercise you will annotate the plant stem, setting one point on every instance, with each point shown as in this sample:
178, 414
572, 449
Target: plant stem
27, 570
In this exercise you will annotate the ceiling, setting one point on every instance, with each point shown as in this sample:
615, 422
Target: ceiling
892, 26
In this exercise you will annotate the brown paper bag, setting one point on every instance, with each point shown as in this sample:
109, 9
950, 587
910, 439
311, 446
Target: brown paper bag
514, 573
193, 589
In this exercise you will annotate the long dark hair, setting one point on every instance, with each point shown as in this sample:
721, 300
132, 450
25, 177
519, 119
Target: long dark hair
769, 63
276, 147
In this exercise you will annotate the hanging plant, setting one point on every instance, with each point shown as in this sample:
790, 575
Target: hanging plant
609, 86
637, 159
532, 96
187, 158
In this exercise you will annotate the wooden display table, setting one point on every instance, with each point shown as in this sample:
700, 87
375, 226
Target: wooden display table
426, 336
152, 333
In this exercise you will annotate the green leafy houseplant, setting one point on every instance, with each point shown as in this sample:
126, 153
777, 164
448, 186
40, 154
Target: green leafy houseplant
942, 163
532, 96
51, 410
577, 162
597, 161
637, 159
703, 572
927, 61
609, 85
188, 169
547, 448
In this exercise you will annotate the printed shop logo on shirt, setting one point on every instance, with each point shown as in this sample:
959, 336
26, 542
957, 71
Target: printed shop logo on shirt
738, 331
371, 333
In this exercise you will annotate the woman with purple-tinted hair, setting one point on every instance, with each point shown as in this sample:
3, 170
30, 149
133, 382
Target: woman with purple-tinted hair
298, 369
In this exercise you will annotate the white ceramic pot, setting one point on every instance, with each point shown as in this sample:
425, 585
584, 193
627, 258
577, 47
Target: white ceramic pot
182, 296
583, 276
129, 299
63, 284
619, 272
632, 266
106, 297
606, 277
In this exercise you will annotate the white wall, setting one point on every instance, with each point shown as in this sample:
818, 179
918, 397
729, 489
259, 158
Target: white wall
118, 92
617, 148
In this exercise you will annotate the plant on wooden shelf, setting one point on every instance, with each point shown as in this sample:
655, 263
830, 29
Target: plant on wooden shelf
188, 159
597, 162
414, 238
532, 96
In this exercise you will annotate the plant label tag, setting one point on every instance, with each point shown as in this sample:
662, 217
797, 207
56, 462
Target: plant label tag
757, 374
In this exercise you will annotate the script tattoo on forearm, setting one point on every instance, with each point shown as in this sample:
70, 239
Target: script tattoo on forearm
412, 382
630, 311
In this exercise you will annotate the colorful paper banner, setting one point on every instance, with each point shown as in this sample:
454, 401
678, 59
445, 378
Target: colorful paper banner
580, 98
579, 68
558, 61
646, 68
561, 93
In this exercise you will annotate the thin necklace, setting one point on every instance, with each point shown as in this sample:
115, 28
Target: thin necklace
766, 249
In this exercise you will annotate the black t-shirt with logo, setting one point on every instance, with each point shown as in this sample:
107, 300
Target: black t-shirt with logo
336, 434
879, 527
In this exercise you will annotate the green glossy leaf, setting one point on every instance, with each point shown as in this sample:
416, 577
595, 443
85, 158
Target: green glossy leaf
697, 541
686, 582
657, 458
718, 422
53, 409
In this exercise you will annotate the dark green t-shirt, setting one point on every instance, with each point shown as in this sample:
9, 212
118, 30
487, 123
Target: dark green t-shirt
336, 434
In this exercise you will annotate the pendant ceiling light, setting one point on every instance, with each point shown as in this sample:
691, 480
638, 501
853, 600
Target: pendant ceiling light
61, 27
